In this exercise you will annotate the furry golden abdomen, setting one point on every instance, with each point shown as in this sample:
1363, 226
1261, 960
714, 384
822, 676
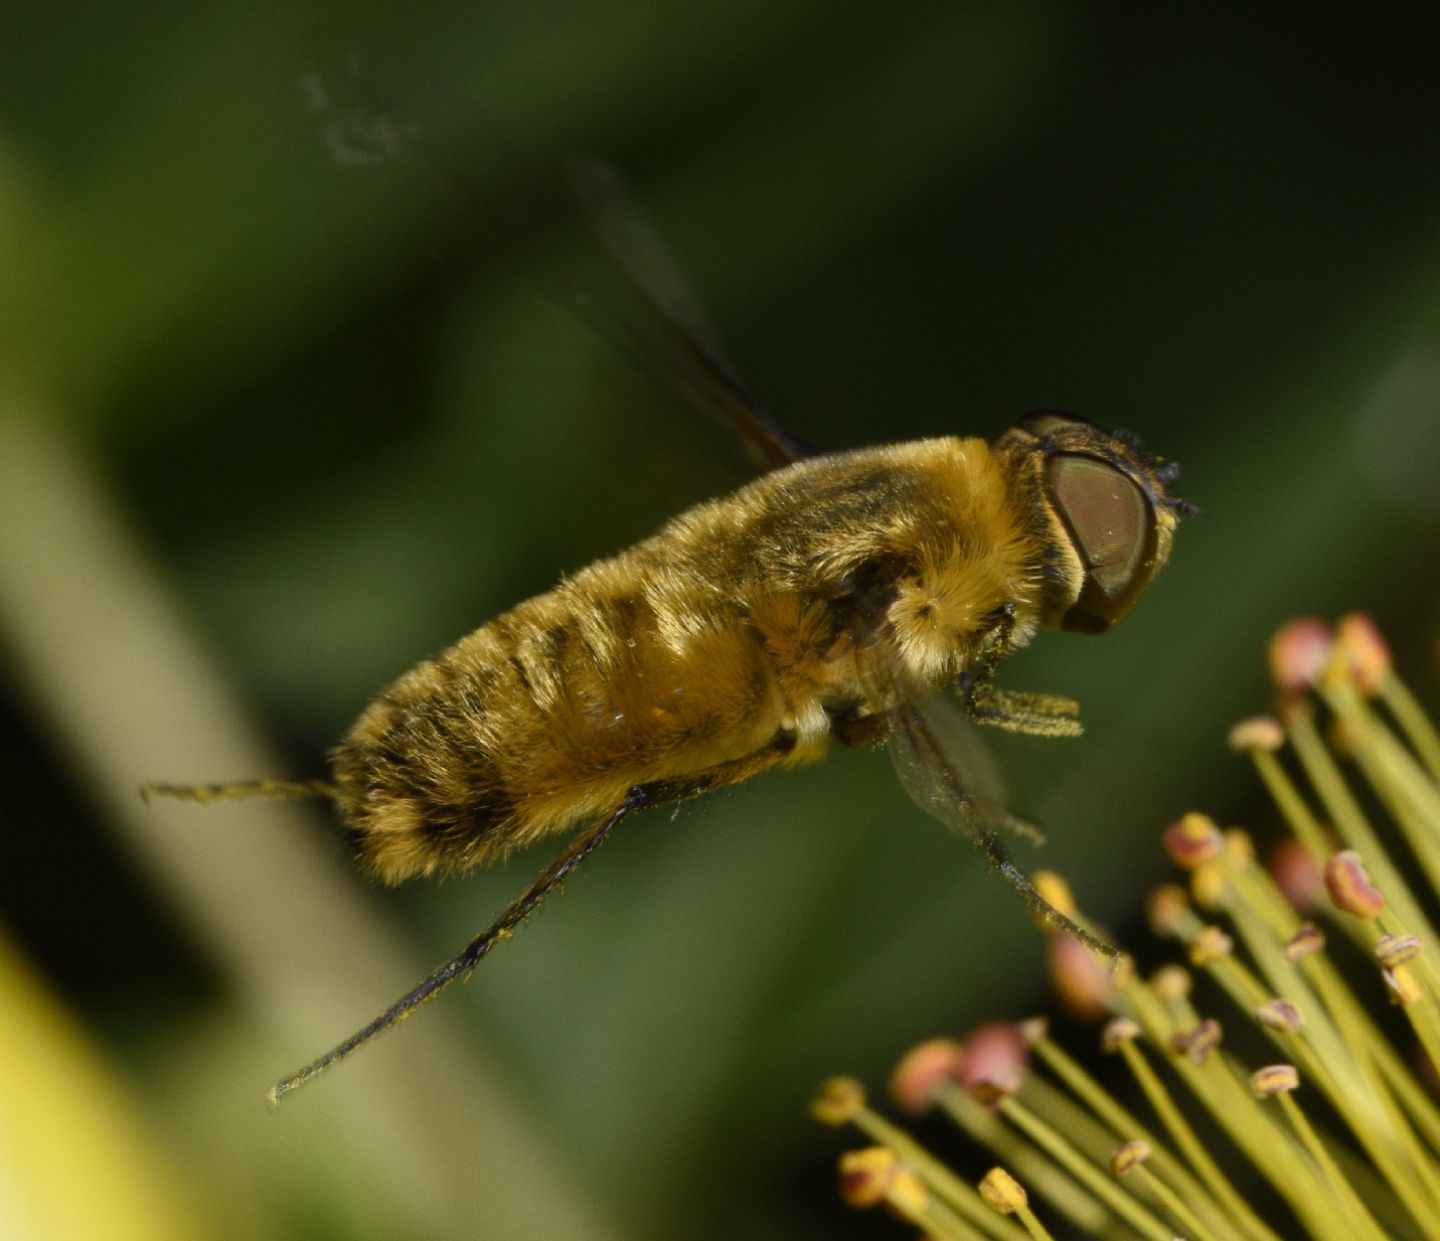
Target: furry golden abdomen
549, 715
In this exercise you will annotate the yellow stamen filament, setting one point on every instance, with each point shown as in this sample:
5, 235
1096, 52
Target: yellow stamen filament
1172, 1202
1103, 1187
1191, 1148
939, 1179
1343, 1190
1383, 1178
1121, 1121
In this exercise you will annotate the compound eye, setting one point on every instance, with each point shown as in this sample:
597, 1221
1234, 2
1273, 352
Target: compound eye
1112, 526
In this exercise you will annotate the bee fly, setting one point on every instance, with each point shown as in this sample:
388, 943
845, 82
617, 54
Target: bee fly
826, 599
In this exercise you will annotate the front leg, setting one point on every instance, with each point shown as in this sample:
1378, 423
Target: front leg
1038, 715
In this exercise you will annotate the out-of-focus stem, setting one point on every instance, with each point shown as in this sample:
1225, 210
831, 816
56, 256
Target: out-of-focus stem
103, 653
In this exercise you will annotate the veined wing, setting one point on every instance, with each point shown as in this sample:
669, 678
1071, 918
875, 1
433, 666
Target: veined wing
950, 774
941, 759
662, 325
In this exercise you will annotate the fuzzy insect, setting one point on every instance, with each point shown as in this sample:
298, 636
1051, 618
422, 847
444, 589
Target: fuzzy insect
826, 599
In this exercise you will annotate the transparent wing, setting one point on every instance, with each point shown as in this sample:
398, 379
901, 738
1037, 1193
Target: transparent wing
948, 772
941, 759
660, 323
657, 321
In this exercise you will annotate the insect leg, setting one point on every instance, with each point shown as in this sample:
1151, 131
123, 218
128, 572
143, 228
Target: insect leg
1037, 904
659, 792
470, 956
1024, 701
926, 769
204, 793
977, 679
708, 779
1039, 715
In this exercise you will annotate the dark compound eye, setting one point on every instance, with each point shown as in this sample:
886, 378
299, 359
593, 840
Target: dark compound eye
1112, 526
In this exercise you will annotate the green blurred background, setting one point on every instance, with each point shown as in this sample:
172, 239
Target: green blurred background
290, 397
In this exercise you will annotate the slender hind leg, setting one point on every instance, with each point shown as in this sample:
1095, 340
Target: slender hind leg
658, 793
470, 956
204, 793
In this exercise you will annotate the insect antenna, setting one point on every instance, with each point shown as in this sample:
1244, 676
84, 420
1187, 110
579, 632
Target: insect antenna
470, 956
